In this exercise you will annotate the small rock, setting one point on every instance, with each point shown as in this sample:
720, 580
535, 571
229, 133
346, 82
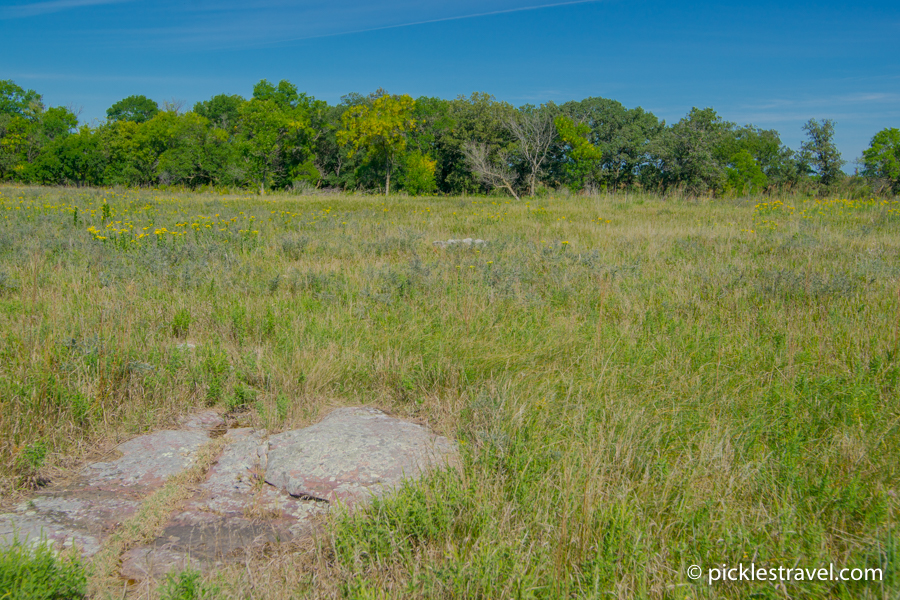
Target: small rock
468, 242
206, 420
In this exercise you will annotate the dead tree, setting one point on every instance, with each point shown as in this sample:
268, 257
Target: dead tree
534, 130
497, 173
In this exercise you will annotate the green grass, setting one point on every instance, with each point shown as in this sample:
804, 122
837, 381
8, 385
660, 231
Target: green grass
638, 385
37, 573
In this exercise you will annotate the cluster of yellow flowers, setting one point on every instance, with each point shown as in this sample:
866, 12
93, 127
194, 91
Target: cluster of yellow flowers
773, 207
832, 208
841, 206
127, 218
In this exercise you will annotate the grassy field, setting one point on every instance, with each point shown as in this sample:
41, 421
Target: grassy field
638, 385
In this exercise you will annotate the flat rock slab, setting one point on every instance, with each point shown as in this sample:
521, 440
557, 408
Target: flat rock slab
148, 460
233, 510
106, 493
353, 454
261, 489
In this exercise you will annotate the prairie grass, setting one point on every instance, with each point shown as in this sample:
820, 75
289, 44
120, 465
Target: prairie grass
637, 384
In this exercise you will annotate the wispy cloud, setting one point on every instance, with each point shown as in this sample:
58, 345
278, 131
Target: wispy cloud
42, 8
820, 101
138, 79
445, 19
228, 25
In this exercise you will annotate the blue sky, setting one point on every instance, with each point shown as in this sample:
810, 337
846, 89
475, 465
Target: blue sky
772, 64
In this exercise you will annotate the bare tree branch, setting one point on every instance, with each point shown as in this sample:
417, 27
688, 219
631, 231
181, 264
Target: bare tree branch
534, 130
174, 105
496, 173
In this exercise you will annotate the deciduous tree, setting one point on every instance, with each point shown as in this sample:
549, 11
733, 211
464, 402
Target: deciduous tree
379, 129
583, 157
881, 160
16, 101
418, 173
687, 152
533, 129
624, 136
496, 171
268, 133
822, 151
137, 109
222, 111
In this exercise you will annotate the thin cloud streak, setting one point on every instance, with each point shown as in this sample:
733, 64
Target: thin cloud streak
42, 8
802, 117
829, 101
227, 32
442, 20
142, 79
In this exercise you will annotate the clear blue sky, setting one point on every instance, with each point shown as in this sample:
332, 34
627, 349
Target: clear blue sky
773, 64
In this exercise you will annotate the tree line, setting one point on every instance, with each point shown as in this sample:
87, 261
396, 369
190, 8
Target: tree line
281, 138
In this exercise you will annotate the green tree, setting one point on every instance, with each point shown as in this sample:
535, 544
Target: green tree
24, 136
881, 160
418, 173
380, 129
137, 109
131, 151
195, 153
16, 101
584, 157
73, 159
467, 124
624, 136
285, 94
274, 143
433, 124
688, 154
222, 111
822, 151
14, 144
744, 175
777, 162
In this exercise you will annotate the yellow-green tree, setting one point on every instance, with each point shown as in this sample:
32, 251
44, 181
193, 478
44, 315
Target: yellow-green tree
419, 173
379, 129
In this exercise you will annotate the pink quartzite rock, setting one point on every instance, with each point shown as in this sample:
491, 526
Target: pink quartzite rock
259, 490
352, 454
146, 563
106, 494
148, 460
208, 419
232, 511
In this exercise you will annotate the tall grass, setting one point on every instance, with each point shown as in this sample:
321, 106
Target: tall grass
637, 385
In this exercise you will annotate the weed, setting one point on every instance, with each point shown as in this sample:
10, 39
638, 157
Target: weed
186, 585
181, 323
36, 571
